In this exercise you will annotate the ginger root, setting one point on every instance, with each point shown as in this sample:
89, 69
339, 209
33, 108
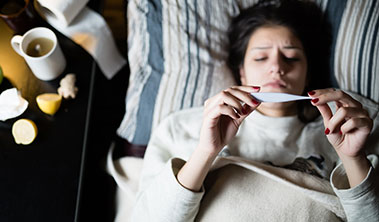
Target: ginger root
67, 87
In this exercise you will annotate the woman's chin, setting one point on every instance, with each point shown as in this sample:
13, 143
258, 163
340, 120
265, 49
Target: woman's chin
280, 90
278, 109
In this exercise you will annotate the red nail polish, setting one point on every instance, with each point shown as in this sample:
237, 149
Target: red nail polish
315, 100
327, 131
256, 87
311, 93
244, 111
254, 101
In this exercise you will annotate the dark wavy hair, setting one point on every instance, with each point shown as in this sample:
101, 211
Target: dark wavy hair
307, 22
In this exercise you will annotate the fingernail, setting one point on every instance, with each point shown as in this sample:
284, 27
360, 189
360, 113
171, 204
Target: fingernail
244, 111
311, 93
254, 101
315, 100
256, 87
327, 131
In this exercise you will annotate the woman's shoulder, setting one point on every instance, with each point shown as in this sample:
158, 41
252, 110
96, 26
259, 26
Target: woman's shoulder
177, 134
191, 113
371, 106
185, 116
183, 121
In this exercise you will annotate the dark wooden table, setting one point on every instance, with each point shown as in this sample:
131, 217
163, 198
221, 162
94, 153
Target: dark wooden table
43, 181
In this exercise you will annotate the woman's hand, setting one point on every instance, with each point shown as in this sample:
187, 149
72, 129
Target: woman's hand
347, 130
223, 114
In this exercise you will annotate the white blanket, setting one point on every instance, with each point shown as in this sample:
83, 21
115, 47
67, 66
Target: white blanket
241, 190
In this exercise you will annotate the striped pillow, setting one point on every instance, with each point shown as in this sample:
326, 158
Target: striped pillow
356, 47
177, 59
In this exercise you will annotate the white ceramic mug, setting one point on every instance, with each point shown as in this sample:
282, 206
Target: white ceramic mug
45, 67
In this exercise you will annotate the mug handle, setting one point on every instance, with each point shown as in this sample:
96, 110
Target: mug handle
16, 42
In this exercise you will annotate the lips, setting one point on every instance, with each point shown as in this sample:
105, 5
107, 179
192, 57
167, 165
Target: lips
275, 84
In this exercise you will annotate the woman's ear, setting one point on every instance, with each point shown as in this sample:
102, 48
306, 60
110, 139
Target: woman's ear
242, 75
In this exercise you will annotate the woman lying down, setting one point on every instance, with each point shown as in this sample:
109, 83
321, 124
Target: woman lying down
249, 160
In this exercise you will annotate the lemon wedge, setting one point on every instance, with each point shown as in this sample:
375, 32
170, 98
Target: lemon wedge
49, 103
24, 131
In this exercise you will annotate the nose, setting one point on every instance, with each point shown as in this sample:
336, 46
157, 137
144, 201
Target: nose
277, 66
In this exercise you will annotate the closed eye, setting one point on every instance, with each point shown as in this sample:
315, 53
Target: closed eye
291, 59
260, 59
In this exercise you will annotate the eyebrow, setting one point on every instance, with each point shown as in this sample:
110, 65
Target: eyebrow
269, 47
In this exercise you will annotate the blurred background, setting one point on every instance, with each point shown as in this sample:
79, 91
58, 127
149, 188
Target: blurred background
97, 202
114, 14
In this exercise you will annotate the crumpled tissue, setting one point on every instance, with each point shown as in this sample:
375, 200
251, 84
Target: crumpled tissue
11, 104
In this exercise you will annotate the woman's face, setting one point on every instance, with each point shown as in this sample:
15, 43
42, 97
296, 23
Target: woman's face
275, 61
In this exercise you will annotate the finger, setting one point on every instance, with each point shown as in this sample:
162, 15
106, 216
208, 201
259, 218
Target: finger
213, 116
323, 96
248, 89
233, 101
217, 99
343, 114
352, 124
338, 104
222, 98
249, 109
326, 113
243, 96
223, 110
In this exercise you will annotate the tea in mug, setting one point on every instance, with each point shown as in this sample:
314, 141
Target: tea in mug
39, 47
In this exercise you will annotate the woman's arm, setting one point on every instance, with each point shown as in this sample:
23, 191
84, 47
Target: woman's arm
223, 114
356, 168
160, 197
361, 203
347, 130
170, 188
193, 173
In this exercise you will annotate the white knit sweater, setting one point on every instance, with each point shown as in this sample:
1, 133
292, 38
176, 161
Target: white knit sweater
284, 142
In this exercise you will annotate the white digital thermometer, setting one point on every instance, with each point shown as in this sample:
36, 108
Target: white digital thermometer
271, 97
